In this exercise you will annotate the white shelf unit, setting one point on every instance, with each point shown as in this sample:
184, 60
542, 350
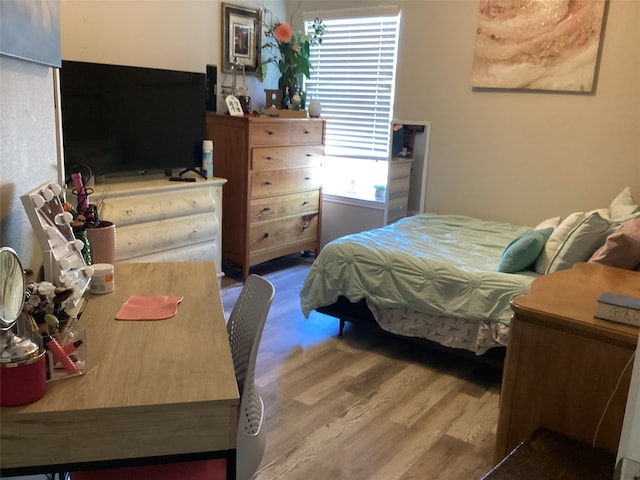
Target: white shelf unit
407, 172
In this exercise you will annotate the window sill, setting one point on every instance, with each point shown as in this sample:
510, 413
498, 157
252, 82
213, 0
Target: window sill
347, 198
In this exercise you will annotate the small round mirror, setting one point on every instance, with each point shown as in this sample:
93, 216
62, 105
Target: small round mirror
12, 288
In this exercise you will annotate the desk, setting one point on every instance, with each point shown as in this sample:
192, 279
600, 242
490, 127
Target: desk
152, 388
563, 365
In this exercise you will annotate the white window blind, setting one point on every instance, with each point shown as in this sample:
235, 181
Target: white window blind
353, 77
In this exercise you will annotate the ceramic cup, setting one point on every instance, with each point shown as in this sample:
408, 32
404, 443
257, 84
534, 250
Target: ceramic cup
103, 242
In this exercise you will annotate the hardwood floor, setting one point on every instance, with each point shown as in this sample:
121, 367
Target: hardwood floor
364, 405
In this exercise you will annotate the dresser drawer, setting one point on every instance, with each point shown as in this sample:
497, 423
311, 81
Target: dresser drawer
137, 208
164, 235
274, 182
271, 158
396, 208
306, 133
302, 229
280, 206
269, 133
398, 186
399, 169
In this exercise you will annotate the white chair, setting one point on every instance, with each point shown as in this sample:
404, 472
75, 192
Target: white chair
244, 328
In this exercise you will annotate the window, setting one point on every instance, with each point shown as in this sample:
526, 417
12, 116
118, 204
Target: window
353, 77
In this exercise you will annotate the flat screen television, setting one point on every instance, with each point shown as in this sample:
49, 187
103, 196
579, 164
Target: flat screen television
123, 120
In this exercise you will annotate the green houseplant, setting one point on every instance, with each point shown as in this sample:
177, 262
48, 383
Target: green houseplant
290, 52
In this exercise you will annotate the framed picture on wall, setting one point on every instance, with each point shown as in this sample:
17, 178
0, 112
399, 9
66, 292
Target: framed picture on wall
241, 37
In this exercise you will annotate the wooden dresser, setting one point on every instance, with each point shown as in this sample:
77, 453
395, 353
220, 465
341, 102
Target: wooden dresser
563, 365
272, 201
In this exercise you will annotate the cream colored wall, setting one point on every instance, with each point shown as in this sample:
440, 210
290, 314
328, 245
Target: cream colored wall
504, 155
511, 156
178, 34
515, 156
181, 35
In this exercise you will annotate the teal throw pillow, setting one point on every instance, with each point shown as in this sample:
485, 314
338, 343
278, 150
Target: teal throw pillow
524, 250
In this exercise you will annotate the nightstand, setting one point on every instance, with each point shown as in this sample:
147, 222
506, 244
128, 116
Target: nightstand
563, 365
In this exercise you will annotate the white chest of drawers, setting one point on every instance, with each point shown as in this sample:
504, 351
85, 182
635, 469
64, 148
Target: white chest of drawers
163, 221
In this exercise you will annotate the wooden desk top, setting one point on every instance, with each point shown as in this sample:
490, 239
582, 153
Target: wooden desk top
569, 297
151, 388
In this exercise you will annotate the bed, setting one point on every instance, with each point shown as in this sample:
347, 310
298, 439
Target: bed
427, 276
448, 280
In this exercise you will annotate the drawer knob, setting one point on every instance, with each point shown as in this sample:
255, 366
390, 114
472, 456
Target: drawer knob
269, 158
309, 155
305, 226
266, 235
307, 178
307, 132
268, 183
306, 202
269, 132
266, 209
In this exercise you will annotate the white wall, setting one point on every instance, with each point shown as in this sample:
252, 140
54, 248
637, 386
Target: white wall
28, 155
343, 216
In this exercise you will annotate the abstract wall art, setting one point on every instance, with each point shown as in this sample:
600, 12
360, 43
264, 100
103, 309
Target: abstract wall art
538, 44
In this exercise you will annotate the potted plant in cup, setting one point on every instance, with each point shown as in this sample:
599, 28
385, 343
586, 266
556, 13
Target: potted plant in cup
381, 190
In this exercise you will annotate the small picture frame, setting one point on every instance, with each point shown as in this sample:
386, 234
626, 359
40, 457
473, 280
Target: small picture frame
241, 38
234, 106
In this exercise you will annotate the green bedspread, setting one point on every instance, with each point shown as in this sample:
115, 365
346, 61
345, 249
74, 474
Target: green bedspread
436, 264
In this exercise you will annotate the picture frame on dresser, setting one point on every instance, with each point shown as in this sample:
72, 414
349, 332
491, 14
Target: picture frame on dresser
241, 38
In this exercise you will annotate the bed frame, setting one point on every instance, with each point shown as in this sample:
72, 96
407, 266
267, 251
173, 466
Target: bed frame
359, 313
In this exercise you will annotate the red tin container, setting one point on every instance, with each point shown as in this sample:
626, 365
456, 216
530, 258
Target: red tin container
23, 382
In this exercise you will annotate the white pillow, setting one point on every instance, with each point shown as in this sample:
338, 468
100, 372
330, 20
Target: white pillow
552, 222
556, 240
584, 239
603, 212
622, 207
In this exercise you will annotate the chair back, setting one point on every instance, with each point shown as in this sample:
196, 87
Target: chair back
245, 327
246, 323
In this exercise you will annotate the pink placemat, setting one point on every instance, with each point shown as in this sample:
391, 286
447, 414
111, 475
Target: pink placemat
149, 307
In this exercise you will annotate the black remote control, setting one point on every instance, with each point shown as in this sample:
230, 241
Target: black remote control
182, 179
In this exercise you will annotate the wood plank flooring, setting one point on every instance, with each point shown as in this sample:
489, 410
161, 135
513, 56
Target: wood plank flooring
364, 405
